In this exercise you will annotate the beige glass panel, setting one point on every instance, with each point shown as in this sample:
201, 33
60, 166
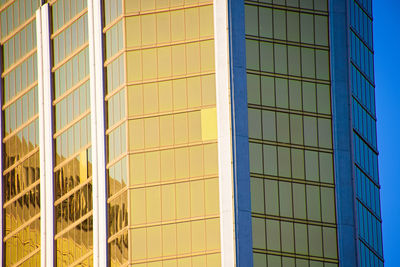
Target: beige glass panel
330, 242
152, 167
168, 202
212, 234
282, 126
284, 168
299, 201
210, 159
138, 243
148, 23
253, 89
326, 167
192, 27
287, 237
269, 125
270, 160
273, 235
179, 94
196, 161
209, 124
184, 237
271, 197
183, 200
208, 90
259, 259
211, 196
169, 239
193, 58
136, 134
296, 129
197, 198
194, 92
311, 164
178, 25
259, 240
165, 96
181, 128
323, 99
313, 203
207, 56
206, 21
134, 66
301, 238
135, 100
166, 130
154, 239
151, 132
163, 27
164, 62
253, 55
254, 117
285, 199
198, 237
133, 31
251, 23
137, 169
257, 196
328, 205
167, 165
181, 163
281, 93
149, 62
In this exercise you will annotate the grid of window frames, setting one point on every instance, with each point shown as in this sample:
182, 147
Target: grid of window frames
290, 134
163, 190
21, 183
364, 127
73, 202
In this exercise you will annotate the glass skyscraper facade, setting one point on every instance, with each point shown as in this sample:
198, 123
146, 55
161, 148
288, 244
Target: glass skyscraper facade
174, 133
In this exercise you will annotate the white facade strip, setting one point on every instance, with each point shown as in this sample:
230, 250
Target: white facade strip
98, 134
226, 193
45, 136
41, 137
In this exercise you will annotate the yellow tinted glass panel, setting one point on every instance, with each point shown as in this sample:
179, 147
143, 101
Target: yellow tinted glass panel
152, 167
209, 129
134, 66
133, 34
169, 240
163, 27
132, 6
137, 169
148, 29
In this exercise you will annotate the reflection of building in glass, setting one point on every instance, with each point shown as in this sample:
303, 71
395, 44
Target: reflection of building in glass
188, 133
20, 183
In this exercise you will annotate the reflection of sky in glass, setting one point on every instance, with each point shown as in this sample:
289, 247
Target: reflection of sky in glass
387, 97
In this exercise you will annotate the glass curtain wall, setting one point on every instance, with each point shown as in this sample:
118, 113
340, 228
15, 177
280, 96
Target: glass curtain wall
290, 133
163, 190
73, 202
20, 177
364, 134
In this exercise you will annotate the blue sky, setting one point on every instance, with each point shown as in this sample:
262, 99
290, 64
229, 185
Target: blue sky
387, 72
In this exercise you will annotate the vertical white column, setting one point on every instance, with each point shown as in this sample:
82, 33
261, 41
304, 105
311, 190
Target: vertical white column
98, 134
226, 193
45, 136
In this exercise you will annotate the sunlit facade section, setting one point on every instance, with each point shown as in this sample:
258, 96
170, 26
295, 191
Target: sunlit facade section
20, 133
163, 184
73, 204
290, 133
